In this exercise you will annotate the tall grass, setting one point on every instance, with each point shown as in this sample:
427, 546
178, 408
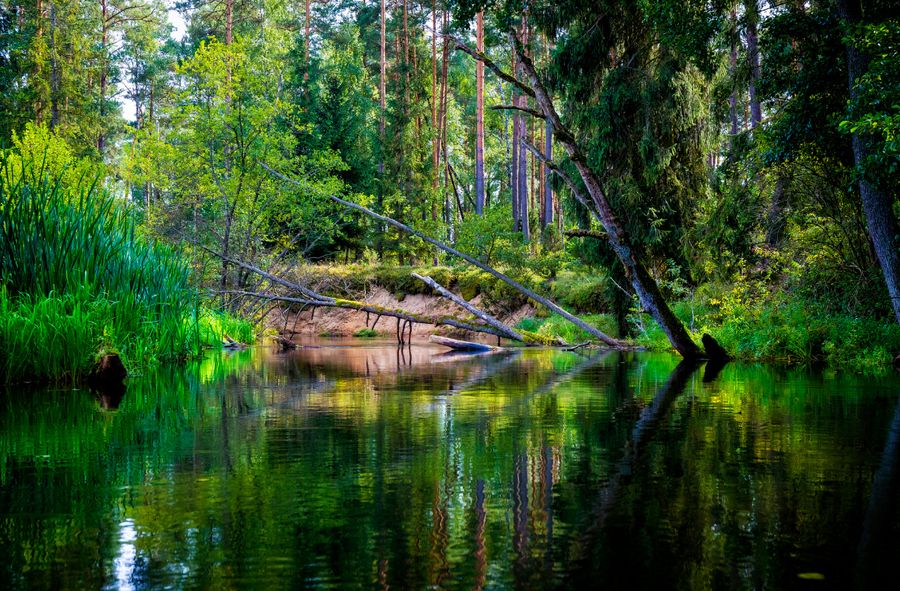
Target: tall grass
76, 278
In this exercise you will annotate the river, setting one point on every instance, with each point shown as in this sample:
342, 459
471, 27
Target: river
364, 466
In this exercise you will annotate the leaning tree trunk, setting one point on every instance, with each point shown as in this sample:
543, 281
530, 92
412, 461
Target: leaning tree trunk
877, 203
643, 283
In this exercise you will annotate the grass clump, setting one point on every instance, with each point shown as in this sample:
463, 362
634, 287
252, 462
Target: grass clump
366, 333
756, 323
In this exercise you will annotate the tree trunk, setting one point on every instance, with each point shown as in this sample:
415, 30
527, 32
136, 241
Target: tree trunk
381, 91
523, 154
479, 117
514, 167
306, 43
229, 20
104, 65
643, 283
877, 203
775, 216
38, 69
548, 189
55, 74
753, 56
484, 316
732, 72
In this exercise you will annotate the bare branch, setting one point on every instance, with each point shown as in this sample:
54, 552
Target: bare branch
484, 316
491, 65
555, 169
532, 112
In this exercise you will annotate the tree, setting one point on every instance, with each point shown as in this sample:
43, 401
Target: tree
877, 202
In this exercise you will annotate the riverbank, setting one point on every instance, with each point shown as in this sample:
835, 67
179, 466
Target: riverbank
753, 321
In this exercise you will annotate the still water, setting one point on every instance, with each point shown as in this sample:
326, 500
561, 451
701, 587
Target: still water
367, 467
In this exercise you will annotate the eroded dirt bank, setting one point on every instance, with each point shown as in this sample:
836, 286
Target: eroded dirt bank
341, 323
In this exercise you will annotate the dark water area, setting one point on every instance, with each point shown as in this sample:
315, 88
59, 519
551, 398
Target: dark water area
367, 467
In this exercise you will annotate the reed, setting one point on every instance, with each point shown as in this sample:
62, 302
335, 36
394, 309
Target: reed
77, 279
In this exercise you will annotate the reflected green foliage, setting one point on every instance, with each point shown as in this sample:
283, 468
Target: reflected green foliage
368, 466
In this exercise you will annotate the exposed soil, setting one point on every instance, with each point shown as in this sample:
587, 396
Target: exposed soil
341, 323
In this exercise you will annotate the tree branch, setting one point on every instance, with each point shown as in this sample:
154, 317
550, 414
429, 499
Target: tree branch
555, 169
491, 65
532, 112
484, 316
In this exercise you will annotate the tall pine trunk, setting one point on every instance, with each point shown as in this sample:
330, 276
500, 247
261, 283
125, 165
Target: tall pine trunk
479, 117
753, 57
523, 154
514, 168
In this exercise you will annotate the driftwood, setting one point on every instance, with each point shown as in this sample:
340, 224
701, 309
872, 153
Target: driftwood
484, 316
458, 345
549, 304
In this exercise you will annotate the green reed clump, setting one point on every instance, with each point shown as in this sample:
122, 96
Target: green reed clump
77, 278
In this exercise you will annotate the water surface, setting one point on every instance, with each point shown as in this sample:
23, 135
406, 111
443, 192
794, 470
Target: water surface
369, 467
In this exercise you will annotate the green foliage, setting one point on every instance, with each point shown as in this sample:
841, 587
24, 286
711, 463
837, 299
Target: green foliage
365, 333
755, 322
582, 293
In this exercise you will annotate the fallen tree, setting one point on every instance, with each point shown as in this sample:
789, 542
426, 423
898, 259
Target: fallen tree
547, 303
406, 318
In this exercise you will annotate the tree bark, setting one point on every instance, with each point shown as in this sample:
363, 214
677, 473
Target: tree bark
548, 189
732, 71
514, 168
877, 203
306, 42
523, 154
55, 74
479, 117
229, 21
381, 89
104, 65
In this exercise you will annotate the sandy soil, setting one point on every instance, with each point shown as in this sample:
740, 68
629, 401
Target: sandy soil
337, 322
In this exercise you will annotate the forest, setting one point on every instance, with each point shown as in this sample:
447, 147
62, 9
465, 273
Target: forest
713, 178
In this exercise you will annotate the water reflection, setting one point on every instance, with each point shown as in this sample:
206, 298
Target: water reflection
372, 467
